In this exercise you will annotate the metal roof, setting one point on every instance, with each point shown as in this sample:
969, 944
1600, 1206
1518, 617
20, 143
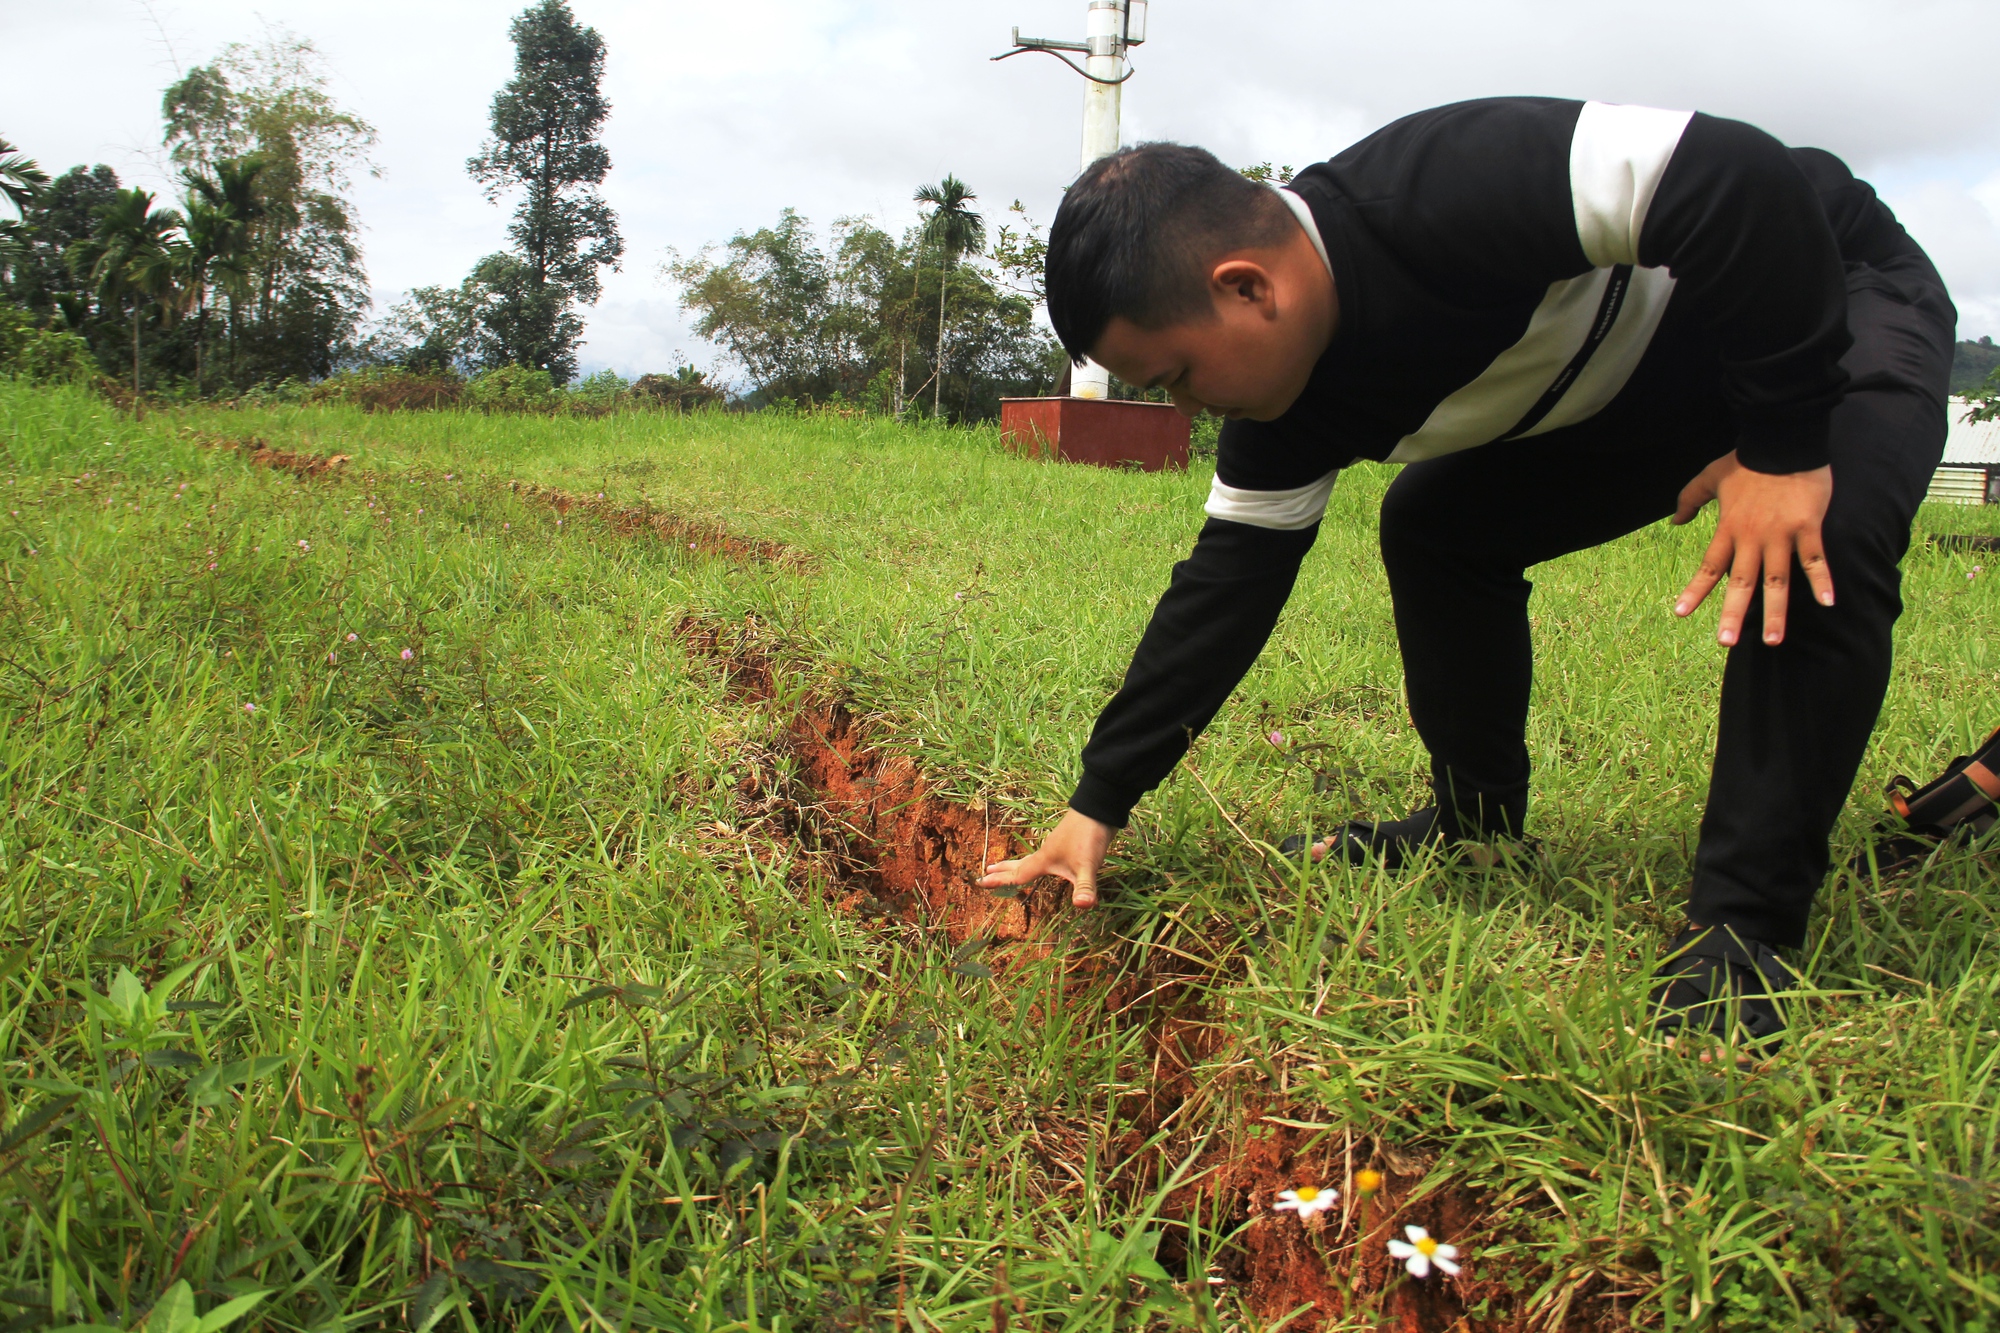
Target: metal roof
1974, 444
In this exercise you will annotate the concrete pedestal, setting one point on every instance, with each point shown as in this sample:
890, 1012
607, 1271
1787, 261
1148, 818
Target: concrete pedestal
1096, 430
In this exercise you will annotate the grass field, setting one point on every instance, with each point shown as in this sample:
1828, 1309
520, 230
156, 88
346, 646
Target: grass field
410, 923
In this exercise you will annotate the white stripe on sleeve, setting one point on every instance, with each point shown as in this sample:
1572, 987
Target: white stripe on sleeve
1616, 160
1282, 511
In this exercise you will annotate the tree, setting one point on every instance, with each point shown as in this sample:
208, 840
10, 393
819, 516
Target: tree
297, 287
21, 179
1021, 256
61, 214
814, 323
956, 230
223, 211
769, 305
545, 126
431, 329
133, 253
1266, 174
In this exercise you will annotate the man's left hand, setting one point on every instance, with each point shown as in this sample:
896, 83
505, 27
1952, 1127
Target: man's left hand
1762, 520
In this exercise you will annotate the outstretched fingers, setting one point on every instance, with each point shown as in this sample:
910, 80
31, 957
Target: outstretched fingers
1005, 874
1002, 874
1819, 574
1714, 564
1777, 590
1743, 571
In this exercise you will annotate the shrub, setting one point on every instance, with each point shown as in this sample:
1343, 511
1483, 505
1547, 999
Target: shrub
604, 389
685, 388
514, 389
391, 389
42, 356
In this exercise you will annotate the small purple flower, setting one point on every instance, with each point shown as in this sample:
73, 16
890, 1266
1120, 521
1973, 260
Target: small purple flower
352, 637
305, 545
249, 708
1277, 738
409, 654
329, 658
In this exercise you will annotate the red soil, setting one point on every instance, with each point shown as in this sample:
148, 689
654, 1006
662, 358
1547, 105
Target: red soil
906, 848
284, 460
702, 538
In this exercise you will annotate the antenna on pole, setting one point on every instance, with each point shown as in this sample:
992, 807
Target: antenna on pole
1110, 28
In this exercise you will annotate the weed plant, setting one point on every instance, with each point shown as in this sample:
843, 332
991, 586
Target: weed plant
467, 987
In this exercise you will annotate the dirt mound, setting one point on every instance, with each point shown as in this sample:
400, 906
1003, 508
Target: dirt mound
701, 537
284, 460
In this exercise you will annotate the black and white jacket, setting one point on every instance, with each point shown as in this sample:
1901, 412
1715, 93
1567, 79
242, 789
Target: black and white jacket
1503, 268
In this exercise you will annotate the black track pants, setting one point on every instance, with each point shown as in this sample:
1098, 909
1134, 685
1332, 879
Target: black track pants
1459, 532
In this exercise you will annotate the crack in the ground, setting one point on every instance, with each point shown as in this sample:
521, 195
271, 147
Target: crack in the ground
894, 848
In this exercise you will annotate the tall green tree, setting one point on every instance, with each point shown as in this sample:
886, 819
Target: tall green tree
224, 211
301, 289
956, 230
545, 144
771, 303
134, 256
41, 280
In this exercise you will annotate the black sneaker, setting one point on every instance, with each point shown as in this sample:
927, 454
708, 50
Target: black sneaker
1393, 842
1716, 981
1397, 842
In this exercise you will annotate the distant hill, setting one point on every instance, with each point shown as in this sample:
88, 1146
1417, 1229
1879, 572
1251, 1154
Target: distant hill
1971, 363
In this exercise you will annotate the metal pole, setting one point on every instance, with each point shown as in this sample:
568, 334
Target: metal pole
1104, 33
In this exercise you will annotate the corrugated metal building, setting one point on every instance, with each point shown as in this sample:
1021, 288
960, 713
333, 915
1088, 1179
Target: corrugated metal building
1970, 472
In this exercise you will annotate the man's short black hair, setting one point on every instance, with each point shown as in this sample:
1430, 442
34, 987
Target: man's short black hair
1135, 236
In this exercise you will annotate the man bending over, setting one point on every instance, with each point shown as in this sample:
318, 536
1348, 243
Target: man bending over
1569, 320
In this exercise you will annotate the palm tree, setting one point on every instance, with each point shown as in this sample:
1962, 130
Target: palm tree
134, 253
222, 212
958, 231
20, 181
20, 178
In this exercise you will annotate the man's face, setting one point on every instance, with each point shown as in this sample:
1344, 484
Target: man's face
1252, 357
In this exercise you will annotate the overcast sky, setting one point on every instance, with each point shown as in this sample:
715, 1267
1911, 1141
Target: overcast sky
725, 113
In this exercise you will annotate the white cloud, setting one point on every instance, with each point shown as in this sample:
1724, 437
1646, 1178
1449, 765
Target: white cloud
724, 114
1959, 227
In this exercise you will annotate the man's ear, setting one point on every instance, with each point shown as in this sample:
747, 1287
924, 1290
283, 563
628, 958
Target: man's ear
1243, 281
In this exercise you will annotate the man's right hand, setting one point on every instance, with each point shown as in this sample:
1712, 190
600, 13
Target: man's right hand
1074, 850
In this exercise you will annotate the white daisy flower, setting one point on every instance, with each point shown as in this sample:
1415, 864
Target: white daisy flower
1420, 1252
1305, 1200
